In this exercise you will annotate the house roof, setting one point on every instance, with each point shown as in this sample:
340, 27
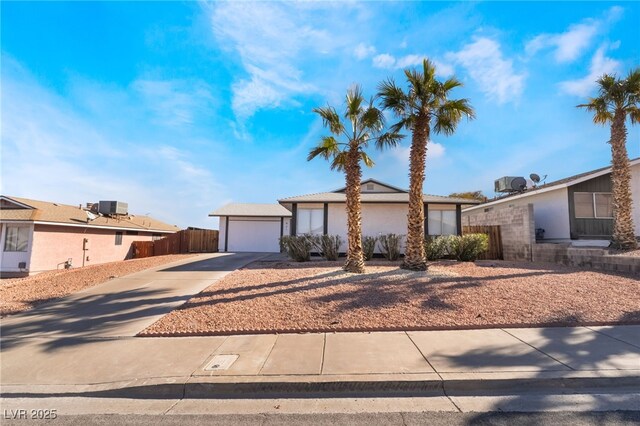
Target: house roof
378, 197
557, 184
64, 214
395, 188
252, 210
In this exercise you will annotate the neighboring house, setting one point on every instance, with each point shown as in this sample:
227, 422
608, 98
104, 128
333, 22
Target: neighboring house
577, 207
38, 236
257, 227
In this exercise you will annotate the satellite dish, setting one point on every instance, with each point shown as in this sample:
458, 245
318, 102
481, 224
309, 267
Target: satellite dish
534, 177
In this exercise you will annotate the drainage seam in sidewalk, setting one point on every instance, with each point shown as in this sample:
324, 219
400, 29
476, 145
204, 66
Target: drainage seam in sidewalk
614, 338
324, 348
543, 353
444, 391
269, 354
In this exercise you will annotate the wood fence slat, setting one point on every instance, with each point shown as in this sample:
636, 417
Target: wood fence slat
495, 239
185, 241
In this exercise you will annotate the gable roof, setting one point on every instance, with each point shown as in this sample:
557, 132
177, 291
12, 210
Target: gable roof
557, 184
251, 210
386, 185
397, 196
44, 212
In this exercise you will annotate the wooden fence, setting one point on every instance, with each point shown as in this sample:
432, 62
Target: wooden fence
185, 241
495, 239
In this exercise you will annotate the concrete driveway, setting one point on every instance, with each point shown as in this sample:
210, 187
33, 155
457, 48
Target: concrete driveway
124, 306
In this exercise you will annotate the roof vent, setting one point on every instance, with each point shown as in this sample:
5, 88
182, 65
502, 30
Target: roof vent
510, 184
113, 207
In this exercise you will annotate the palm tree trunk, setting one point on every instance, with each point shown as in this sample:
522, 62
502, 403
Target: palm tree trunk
414, 256
623, 232
355, 255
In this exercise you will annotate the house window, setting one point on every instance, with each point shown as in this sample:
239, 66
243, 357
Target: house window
442, 222
132, 232
370, 187
310, 221
17, 238
155, 237
593, 205
118, 238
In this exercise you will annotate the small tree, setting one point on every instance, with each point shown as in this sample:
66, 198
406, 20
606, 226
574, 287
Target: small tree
364, 124
617, 99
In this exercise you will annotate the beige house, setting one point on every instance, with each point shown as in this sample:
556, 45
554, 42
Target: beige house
257, 227
39, 236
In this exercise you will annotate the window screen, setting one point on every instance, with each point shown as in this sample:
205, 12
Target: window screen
118, 238
435, 222
448, 222
583, 203
604, 205
17, 238
442, 222
310, 221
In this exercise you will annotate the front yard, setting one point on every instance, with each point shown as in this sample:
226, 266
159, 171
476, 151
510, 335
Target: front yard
319, 296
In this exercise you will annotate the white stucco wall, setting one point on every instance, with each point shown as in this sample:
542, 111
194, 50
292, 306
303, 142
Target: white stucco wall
635, 196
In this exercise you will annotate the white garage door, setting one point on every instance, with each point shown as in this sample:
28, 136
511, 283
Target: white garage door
254, 235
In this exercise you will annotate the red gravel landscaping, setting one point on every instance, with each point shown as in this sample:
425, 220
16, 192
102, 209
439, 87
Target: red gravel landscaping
318, 296
21, 294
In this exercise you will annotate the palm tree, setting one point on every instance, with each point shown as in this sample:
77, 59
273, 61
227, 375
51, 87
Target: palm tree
617, 99
424, 107
364, 124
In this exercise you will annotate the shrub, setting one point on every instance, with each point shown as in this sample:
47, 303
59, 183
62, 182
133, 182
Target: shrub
390, 246
469, 247
368, 247
328, 245
437, 247
298, 247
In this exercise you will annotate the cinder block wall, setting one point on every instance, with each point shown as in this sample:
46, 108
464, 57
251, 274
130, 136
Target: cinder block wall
593, 258
517, 227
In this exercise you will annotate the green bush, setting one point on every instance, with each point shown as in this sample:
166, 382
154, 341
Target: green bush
369, 246
298, 247
469, 247
390, 246
328, 245
437, 247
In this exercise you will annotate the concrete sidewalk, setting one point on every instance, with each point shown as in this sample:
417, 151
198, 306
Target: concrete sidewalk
449, 362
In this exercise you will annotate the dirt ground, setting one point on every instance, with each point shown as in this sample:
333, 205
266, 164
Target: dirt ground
21, 294
319, 296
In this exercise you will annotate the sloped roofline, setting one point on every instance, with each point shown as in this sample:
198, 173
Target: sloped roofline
555, 185
395, 188
11, 200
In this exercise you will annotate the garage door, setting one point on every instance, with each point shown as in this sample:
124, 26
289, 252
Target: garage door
254, 235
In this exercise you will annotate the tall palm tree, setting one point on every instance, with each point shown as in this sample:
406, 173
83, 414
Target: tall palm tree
364, 123
618, 98
423, 108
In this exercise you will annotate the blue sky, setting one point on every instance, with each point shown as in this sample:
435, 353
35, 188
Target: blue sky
179, 108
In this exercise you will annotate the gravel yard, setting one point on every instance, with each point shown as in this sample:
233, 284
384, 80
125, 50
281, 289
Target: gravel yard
319, 296
21, 294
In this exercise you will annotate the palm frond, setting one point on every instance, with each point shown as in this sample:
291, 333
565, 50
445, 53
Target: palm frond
372, 119
330, 119
393, 97
327, 148
634, 114
339, 161
388, 140
600, 108
449, 115
366, 159
354, 102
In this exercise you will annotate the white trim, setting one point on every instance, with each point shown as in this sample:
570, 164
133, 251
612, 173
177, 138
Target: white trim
39, 222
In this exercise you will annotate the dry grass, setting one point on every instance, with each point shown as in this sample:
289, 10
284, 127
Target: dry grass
21, 294
318, 296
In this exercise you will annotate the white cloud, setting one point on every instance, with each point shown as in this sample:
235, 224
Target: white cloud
401, 153
52, 151
572, 43
384, 60
388, 61
494, 74
363, 51
273, 41
600, 64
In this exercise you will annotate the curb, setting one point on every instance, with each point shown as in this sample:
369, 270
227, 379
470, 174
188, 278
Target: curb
364, 386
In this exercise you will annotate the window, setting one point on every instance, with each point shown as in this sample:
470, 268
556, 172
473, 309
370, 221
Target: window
118, 238
132, 232
593, 205
370, 187
155, 237
310, 221
17, 238
442, 222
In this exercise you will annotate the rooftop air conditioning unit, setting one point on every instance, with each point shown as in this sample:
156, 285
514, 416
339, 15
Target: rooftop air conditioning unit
113, 207
510, 184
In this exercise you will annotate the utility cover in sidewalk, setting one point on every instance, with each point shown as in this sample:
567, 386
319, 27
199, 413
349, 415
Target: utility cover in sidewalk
221, 362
